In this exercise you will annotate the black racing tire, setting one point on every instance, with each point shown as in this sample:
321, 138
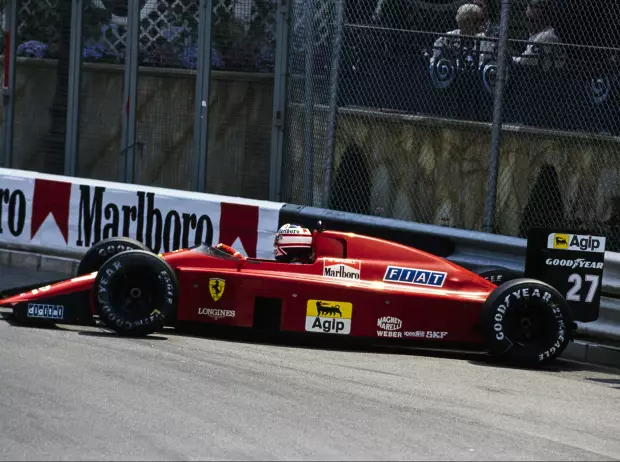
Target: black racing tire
526, 322
496, 274
99, 253
136, 293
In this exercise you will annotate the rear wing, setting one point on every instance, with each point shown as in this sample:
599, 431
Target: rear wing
572, 261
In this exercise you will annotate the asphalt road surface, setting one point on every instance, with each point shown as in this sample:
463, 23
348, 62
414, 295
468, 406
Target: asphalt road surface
83, 394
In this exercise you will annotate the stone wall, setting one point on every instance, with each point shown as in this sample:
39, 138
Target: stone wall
239, 126
433, 171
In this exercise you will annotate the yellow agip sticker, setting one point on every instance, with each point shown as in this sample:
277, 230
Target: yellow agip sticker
560, 241
329, 317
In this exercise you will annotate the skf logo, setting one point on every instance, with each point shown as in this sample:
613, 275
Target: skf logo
216, 288
329, 317
576, 242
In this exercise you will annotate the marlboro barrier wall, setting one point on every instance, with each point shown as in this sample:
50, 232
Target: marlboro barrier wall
71, 214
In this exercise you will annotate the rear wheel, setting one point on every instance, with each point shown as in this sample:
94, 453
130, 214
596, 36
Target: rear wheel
527, 322
496, 274
135, 292
99, 253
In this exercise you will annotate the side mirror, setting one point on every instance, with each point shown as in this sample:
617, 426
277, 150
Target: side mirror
320, 226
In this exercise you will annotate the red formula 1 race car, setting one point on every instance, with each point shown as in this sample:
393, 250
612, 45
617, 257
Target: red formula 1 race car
345, 285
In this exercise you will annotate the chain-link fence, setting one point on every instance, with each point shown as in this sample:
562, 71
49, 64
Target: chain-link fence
40, 114
242, 57
389, 103
404, 128
562, 78
167, 56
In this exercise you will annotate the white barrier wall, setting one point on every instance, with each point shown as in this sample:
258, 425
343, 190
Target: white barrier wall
70, 214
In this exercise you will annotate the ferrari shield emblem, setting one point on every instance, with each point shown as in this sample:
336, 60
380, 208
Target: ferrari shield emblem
216, 288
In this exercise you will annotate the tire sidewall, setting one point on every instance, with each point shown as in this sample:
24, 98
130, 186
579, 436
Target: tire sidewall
100, 252
163, 309
504, 299
496, 274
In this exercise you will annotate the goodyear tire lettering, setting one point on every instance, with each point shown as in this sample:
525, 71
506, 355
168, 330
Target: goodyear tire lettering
164, 293
508, 298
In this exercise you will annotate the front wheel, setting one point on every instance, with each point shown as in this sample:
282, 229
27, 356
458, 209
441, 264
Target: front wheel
135, 293
99, 253
526, 322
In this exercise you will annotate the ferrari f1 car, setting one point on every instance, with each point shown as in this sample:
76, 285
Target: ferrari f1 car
355, 286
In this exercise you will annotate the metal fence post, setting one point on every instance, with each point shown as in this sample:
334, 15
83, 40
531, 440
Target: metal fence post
8, 87
75, 80
309, 97
203, 81
128, 141
496, 129
333, 101
279, 99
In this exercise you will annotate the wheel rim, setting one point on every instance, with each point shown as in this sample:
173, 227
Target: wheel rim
135, 292
530, 323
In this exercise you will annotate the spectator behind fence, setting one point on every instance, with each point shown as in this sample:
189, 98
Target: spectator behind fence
470, 20
490, 29
539, 20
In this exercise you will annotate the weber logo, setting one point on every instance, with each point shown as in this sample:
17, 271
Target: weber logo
390, 327
342, 269
216, 313
576, 242
37, 310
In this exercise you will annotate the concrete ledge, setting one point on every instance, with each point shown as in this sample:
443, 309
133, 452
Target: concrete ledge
38, 262
593, 353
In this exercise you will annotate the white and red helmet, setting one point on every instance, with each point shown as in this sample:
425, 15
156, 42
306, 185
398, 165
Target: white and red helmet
293, 243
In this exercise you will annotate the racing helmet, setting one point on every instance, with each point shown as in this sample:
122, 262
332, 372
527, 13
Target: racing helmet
292, 243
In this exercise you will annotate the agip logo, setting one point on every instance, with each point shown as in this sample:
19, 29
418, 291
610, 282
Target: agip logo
560, 241
329, 317
576, 242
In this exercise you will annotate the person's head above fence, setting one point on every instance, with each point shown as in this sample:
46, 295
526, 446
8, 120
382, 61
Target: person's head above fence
470, 19
538, 13
484, 4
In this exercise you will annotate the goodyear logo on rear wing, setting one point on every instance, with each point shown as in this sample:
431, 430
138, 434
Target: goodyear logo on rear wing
414, 276
576, 242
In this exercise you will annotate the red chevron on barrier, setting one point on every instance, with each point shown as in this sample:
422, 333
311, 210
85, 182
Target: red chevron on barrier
238, 221
51, 197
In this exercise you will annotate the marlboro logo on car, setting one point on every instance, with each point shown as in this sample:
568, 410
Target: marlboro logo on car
342, 269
